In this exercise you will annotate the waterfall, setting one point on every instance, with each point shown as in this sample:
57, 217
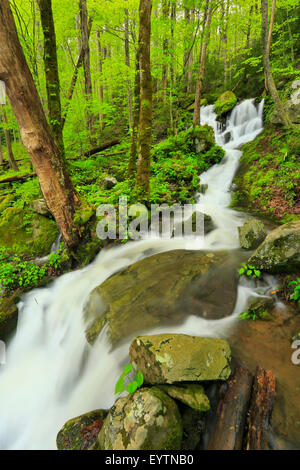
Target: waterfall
52, 374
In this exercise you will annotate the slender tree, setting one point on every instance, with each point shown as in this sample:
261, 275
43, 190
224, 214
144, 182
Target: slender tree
267, 65
11, 159
145, 120
36, 135
51, 71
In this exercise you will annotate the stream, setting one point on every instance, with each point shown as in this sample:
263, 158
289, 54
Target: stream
52, 374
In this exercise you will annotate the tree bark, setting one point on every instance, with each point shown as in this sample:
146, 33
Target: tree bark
164, 81
74, 78
87, 69
136, 113
44, 152
51, 71
271, 26
200, 76
145, 120
11, 159
100, 63
267, 66
127, 63
260, 411
232, 410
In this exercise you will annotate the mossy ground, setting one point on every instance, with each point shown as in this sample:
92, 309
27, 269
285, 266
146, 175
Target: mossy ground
269, 175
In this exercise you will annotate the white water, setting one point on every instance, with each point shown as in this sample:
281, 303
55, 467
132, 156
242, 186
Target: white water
51, 373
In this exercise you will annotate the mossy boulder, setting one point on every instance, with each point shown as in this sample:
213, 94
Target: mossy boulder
225, 103
147, 420
162, 289
81, 433
26, 233
252, 234
261, 307
8, 316
291, 104
192, 395
171, 358
39, 206
280, 252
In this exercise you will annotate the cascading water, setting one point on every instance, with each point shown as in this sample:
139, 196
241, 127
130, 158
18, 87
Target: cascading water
51, 373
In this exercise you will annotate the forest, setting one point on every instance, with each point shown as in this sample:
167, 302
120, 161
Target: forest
183, 340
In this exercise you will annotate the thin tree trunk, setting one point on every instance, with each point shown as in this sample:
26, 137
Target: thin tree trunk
100, 63
145, 121
51, 71
267, 66
172, 69
271, 27
249, 28
290, 36
75, 76
47, 160
127, 63
164, 80
136, 114
1, 150
87, 68
199, 84
11, 159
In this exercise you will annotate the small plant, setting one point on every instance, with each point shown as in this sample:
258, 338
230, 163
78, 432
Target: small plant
129, 371
249, 271
296, 295
249, 315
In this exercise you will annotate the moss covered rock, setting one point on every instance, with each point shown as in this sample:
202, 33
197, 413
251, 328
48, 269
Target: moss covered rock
170, 358
26, 233
252, 234
163, 288
147, 420
225, 103
8, 316
192, 395
280, 252
81, 433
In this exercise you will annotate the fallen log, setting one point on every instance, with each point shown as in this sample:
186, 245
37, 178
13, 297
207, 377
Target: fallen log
232, 410
12, 179
260, 411
101, 148
100, 155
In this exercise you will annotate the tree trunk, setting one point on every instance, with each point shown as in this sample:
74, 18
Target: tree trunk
136, 114
164, 80
267, 66
1, 150
145, 121
232, 410
87, 68
204, 45
51, 71
271, 27
260, 411
11, 159
127, 63
75, 75
188, 55
47, 160
100, 63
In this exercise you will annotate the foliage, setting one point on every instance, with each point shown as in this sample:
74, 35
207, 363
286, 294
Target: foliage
132, 376
249, 270
296, 286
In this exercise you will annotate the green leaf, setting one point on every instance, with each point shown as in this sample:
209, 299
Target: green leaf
120, 386
139, 378
241, 271
127, 369
131, 388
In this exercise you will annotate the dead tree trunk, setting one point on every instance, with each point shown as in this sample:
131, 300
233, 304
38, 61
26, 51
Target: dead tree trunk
11, 159
51, 71
267, 66
229, 431
260, 411
47, 160
145, 122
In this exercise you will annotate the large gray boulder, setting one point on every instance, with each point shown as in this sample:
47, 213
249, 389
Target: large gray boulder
280, 252
171, 358
162, 289
147, 420
108, 183
252, 234
291, 105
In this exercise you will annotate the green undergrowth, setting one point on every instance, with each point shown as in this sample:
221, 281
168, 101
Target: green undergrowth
269, 175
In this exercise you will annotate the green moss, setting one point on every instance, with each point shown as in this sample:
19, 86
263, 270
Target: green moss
225, 103
8, 315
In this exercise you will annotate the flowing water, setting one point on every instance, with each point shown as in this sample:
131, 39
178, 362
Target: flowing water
51, 373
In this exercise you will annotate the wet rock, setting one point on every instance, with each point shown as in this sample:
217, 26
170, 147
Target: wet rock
8, 316
252, 234
147, 420
262, 307
203, 188
280, 252
225, 103
170, 358
162, 289
190, 225
39, 206
81, 433
193, 428
192, 395
108, 183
